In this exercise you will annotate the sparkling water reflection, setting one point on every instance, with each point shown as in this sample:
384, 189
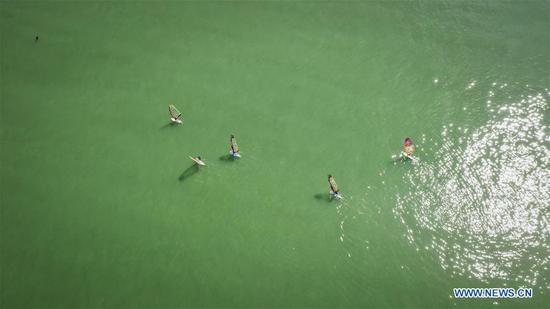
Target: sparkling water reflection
482, 205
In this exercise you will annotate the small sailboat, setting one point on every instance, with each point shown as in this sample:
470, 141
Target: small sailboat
234, 148
175, 114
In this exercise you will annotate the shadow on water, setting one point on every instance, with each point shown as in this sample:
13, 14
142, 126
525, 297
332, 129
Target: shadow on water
323, 197
169, 125
190, 171
227, 158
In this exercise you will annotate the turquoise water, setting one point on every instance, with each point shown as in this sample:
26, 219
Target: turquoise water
101, 206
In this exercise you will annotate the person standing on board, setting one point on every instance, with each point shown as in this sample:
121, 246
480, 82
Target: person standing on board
334, 192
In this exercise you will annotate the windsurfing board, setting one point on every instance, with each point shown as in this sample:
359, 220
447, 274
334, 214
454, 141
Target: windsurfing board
336, 195
176, 120
235, 154
411, 157
199, 162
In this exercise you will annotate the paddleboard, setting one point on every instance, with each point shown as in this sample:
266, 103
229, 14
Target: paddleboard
199, 162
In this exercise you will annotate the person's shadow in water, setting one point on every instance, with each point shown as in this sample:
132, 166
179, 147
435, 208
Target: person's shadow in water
171, 124
227, 158
190, 171
323, 197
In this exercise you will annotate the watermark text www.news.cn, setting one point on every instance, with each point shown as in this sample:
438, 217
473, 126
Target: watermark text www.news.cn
493, 293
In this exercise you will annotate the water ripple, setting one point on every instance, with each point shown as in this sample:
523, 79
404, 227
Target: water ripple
482, 205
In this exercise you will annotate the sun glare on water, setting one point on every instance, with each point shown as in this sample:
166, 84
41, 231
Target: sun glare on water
482, 205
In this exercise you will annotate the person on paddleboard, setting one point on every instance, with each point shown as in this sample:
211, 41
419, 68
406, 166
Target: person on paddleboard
234, 148
408, 147
333, 186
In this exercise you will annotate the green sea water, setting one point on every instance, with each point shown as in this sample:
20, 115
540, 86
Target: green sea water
101, 206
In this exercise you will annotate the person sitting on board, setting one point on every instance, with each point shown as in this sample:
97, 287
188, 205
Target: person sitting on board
408, 148
333, 186
234, 148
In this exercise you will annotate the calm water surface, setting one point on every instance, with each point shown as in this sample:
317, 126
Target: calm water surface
101, 206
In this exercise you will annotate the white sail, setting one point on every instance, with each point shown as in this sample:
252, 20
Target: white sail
234, 145
333, 185
174, 112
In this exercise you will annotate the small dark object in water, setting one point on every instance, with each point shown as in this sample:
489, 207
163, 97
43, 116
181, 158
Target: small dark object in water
36, 39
